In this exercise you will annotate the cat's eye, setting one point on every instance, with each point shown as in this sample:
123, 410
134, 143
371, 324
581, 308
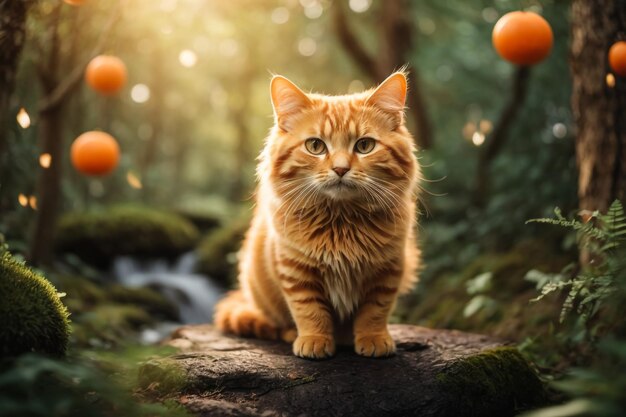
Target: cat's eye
316, 146
364, 145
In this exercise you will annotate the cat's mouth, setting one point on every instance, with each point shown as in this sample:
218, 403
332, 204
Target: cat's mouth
340, 188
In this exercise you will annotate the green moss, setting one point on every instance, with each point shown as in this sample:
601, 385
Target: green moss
217, 252
494, 382
161, 377
109, 324
99, 236
441, 302
33, 317
207, 212
81, 293
151, 301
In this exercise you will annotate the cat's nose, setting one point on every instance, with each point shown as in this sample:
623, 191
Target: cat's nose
341, 171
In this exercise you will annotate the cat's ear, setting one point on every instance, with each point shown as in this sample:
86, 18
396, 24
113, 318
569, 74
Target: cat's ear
287, 99
390, 95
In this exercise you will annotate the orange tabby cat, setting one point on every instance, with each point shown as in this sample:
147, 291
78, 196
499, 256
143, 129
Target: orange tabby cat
332, 241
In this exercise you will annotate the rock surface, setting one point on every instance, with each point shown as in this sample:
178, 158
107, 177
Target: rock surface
435, 373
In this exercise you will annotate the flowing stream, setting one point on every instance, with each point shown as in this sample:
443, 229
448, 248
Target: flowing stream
194, 294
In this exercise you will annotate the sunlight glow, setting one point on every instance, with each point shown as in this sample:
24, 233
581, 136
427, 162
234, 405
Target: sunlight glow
133, 180
610, 80
314, 10
559, 130
485, 126
23, 200
468, 130
280, 15
356, 86
187, 58
478, 138
23, 119
426, 25
45, 160
307, 46
140, 93
168, 5
229, 47
360, 6
490, 15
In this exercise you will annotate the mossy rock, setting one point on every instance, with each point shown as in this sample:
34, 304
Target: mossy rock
99, 236
112, 324
109, 313
83, 295
439, 373
206, 213
33, 317
499, 377
217, 252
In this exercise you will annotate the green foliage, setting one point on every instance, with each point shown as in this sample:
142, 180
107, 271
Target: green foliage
217, 252
596, 296
99, 236
33, 317
489, 294
600, 236
35, 386
500, 377
109, 314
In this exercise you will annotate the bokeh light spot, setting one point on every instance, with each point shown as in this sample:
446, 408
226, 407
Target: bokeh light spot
360, 6
187, 58
307, 46
140, 93
280, 15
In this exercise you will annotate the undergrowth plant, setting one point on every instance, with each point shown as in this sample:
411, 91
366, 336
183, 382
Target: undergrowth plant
601, 238
595, 298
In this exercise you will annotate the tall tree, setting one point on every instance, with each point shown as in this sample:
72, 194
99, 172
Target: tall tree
13, 15
395, 45
57, 90
598, 104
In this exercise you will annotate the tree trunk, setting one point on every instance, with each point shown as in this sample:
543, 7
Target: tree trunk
495, 142
12, 36
48, 185
396, 45
599, 109
156, 103
51, 142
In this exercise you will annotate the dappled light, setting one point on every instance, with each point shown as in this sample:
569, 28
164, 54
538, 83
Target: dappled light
238, 207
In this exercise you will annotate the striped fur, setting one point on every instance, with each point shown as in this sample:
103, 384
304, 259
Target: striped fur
326, 256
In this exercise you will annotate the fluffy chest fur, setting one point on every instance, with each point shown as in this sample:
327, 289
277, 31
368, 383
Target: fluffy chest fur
348, 248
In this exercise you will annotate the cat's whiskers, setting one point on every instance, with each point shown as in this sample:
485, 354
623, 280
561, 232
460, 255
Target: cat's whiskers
295, 201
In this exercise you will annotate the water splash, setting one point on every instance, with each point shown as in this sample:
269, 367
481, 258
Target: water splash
194, 294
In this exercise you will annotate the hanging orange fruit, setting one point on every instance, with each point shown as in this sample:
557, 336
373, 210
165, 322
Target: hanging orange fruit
95, 153
106, 74
617, 58
75, 2
523, 38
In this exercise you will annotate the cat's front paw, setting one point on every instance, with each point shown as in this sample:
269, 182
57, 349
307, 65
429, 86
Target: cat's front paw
374, 345
314, 346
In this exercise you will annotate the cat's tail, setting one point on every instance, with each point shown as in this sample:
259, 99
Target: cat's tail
235, 314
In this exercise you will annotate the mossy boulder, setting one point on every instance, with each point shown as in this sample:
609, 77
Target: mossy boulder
99, 236
207, 212
109, 313
499, 377
33, 317
217, 252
